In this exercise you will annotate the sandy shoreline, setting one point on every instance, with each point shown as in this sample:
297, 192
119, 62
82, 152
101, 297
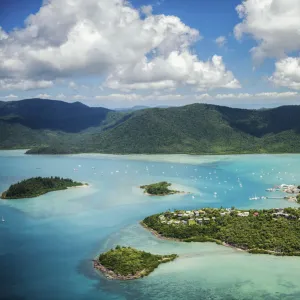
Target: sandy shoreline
154, 232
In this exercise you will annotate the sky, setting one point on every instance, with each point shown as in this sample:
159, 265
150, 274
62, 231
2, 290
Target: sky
117, 53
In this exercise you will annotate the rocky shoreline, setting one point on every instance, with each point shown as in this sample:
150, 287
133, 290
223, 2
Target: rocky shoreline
112, 275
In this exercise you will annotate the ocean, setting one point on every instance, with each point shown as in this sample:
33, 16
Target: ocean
47, 243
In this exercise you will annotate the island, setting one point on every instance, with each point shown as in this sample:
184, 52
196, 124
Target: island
159, 189
34, 187
126, 263
268, 231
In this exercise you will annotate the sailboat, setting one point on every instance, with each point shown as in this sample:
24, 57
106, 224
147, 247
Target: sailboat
3, 219
254, 198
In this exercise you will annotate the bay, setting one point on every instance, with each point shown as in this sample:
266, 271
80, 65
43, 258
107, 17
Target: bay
47, 243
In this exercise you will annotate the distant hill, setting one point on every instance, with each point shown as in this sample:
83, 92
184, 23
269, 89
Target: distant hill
193, 129
52, 115
129, 109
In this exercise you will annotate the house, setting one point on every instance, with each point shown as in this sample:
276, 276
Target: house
177, 222
180, 215
206, 220
280, 214
243, 214
213, 218
184, 222
199, 220
223, 214
256, 214
202, 212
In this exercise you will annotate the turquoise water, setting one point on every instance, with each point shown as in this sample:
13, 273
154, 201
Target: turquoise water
47, 243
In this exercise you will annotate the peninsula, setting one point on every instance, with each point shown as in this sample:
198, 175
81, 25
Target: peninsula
126, 263
37, 186
268, 231
159, 189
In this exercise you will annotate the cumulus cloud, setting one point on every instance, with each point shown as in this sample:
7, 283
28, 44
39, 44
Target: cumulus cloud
181, 68
10, 97
264, 95
23, 84
221, 41
191, 98
106, 38
43, 96
60, 97
287, 73
79, 97
274, 24
147, 10
73, 85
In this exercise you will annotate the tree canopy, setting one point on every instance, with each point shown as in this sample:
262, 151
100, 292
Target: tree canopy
37, 186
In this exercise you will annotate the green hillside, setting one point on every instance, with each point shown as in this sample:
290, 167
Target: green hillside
192, 129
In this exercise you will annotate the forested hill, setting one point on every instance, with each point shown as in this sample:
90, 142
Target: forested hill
201, 128
52, 114
49, 126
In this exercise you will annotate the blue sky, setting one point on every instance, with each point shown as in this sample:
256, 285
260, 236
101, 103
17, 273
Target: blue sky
65, 52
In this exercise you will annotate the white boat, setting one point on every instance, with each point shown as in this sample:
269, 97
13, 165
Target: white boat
254, 198
3, 219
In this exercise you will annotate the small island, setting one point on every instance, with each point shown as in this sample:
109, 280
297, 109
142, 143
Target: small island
37, 186
267, 231
159, 189
126, 263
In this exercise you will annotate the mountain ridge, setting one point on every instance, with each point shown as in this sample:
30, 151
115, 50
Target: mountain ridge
192, 129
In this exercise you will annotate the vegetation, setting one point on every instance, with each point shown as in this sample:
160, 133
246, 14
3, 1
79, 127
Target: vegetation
159, 189
37, 186
129, 263
270, 231
52, 127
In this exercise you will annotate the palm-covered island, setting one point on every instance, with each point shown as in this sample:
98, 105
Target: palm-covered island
268, 231
159, 189
126, 263
37, 186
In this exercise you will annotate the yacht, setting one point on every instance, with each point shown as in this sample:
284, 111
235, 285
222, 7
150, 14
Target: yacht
254, 198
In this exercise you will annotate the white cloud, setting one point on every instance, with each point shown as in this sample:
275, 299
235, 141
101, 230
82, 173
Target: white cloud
147, 10
11, 96
79, 97
73, 85
126, 97
221, 41
265, 95
43, 96
107, 38
274, 24
3, 34
181, 68
60, 97
21, 84
203, 97
192, 98
277, 95
287, 73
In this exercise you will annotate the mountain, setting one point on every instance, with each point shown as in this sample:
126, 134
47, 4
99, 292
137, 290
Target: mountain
59, 127
52, 115
134, 108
